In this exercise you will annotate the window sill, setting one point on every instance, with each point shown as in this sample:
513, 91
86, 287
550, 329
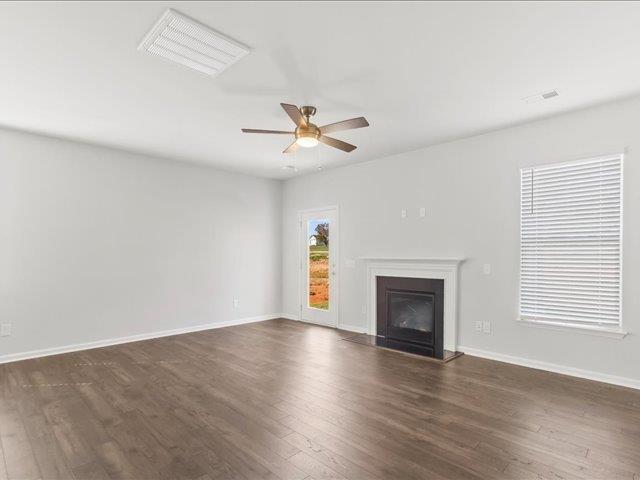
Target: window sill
598, 331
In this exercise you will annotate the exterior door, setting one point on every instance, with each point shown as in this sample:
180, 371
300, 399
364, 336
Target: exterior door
318, 267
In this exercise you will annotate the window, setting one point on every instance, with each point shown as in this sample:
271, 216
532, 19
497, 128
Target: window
570, 252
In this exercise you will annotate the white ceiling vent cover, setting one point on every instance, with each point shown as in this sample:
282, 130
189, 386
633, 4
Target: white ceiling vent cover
182, 40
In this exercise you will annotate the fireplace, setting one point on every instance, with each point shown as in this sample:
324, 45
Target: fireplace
410, 314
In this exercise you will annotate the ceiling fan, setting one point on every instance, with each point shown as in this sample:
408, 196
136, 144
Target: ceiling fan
308, 135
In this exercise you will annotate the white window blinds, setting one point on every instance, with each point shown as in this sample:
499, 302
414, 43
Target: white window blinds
571, 233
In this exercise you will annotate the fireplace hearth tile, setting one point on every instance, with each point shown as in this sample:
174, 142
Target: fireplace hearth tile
379, 342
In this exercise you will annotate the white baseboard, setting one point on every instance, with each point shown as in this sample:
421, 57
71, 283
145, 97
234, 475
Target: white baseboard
525, 362
552, 367
341, 326
14, 357
353, 328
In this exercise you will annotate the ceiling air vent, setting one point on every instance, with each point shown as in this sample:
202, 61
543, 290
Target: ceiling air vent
538, 97
182, 40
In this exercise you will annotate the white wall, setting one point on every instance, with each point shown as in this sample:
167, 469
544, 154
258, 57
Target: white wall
471, 191
98, 243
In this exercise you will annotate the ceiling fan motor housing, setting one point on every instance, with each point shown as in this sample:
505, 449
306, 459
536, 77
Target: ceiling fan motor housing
308, 131
307, 135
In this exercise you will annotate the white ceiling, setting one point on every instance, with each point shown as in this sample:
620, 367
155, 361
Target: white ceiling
421, 73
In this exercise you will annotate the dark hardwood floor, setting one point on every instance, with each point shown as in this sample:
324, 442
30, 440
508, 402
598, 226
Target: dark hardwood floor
285, 400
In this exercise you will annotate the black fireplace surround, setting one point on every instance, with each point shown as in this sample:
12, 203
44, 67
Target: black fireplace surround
410, 315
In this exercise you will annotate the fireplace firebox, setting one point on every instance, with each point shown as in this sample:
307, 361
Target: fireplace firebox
410, 315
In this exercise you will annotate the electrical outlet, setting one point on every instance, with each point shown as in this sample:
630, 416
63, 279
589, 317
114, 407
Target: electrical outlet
486, 327
235, 303
5, 330
478, 326
486, 269
403, 213
422, 212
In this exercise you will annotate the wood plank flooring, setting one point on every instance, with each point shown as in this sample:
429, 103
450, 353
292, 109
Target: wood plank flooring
285, 400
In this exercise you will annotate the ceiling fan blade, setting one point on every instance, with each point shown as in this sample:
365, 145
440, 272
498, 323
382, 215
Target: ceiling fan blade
254, 130
295, 114
291, 148
345, 125
339, 144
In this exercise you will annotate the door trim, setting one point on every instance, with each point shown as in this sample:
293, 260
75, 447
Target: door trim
300, 259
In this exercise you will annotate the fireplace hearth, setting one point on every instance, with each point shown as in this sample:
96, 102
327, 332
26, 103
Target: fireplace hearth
410, 315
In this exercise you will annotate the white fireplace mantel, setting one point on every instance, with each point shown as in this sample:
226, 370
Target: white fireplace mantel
438, 268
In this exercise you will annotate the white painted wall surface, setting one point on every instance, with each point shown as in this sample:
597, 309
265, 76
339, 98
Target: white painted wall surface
100, 244
470, 189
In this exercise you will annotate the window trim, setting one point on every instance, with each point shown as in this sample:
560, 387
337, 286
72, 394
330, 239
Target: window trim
617, 331
568, 327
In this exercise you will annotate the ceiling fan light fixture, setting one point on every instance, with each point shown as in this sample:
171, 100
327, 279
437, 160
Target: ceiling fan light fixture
307, 142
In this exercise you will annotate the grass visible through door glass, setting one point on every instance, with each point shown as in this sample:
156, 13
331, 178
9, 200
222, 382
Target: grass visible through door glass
319, 264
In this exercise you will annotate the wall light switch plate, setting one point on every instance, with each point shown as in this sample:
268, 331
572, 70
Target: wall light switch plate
486, 269
235, 303
5, 330
486, 327
403, 213
350, 263
478, 326
422, 212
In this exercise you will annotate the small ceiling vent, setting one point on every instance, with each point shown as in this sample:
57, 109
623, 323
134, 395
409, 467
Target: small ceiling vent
182, 40
538, 97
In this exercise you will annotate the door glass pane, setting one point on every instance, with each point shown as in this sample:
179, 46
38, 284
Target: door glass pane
318, 233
